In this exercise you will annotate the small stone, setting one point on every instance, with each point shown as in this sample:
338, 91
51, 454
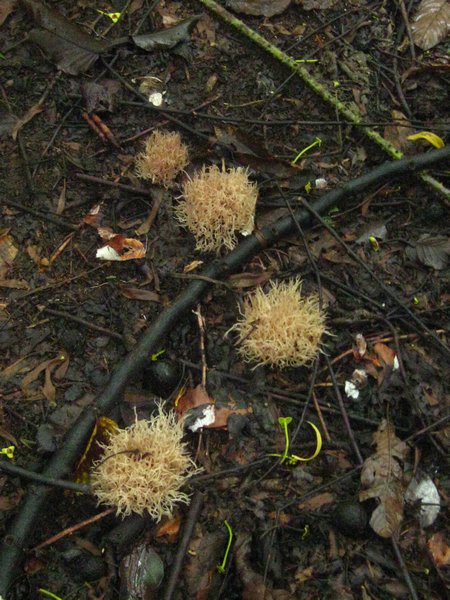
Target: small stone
350, 518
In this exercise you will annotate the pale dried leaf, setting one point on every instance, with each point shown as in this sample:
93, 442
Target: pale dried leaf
28, 116
382, 476
6, 7
266, 8
431, 23
439, 550
133, 293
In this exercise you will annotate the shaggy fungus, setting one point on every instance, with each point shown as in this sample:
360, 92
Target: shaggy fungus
280, 328
164, 157
216, 204
143, 468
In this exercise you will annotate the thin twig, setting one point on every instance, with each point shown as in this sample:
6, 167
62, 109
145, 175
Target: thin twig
344, 414
404, 570
192, 518
73, 529
80, 321
11, 469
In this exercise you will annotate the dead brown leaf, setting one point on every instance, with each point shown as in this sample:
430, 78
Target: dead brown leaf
14, 284
8, 252
48, 388
431, 23
384, 353
138, 294
168, 531
382, 476
6, 8
398, 131
439, 550
247, 280
265, 8
316, 502
27, 117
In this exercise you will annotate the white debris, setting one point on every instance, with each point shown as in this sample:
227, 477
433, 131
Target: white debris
351, 390
207, 417
422, 489
107, 253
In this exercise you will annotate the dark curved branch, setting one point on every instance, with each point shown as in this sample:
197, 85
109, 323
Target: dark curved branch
19, 537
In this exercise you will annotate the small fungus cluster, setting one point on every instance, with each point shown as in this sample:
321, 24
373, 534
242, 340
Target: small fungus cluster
216, 204
164, 157
143, 468
280, 328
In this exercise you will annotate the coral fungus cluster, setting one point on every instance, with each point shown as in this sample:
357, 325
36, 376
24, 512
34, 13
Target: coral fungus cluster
280, 328
143, 468
215, 205
164, 157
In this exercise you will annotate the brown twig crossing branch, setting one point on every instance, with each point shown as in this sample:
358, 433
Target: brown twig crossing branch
317, 87
20, 535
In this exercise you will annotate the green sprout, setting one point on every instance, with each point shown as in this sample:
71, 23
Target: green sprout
317, 142
49, 594
154, 357
8, 451
374, 243
293, 459
221, 567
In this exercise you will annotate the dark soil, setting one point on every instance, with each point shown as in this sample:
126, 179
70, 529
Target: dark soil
299, 530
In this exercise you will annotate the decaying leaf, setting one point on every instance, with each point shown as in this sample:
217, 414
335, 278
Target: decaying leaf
118, 247
265, 8
432, 251
72, 49
27, 117
133, 293
48, 366
6, 8
398, 132
8, 252
166, 38
316, 4
431, 23
382, 478
439, 550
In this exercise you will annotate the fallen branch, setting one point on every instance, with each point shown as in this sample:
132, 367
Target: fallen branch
19, 537
317, 87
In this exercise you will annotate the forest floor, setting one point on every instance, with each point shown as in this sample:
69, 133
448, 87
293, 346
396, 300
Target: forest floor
365, 518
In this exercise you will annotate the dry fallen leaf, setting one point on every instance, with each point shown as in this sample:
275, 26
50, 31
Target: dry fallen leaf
265, 8
6, 8
382, 476
439, 550
28, 116
431, 23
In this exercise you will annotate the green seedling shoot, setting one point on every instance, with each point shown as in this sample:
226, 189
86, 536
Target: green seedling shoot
221, 567
317, 142
374, 243
293, 459
9, 451
154, 357
49, 594
114, 16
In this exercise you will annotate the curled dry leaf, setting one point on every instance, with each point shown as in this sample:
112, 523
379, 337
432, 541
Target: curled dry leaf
265, 8
439, 550
382, 478
431, 24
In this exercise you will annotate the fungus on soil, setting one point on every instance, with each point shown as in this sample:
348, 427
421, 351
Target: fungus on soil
144, 467
280, 328
216, 204
164, 157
